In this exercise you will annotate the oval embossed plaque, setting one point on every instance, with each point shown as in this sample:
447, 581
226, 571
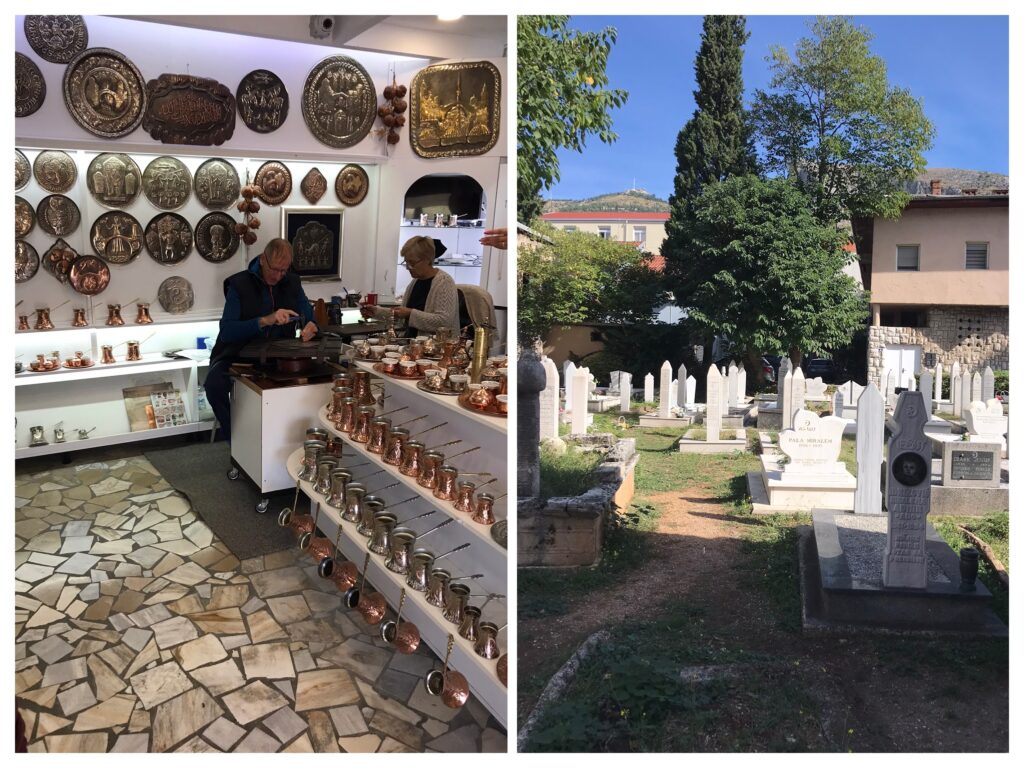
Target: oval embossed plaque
57, 38
104, 92
184, 109
275, 182
117, 237
339, 102
114, 179
29, 86
262, 101
217, 185
351, 185
216, 239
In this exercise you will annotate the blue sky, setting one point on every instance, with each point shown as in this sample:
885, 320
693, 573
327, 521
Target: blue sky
958, 66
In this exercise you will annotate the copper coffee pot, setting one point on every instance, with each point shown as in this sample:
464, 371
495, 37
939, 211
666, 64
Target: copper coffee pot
23, 323
411, 458
114, 314
133, 351
352, 594
470, 626
338, 394
451, 686
422, 563
440, 584
380, 539
455, 603
371, 607
107, 354
354, 494
402, 541
379, 429
502, 669
311, 450
484, 514
345, 419
79, 320
487, 644
336, 447
432, 461
323, 551
465, 501
397, 438
404, 637
340, 478
143, 318
324, 466
361, 432
43, 320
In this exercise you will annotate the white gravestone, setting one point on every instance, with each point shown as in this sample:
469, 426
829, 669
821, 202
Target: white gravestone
691, 391
665, 400
649, 388
569, 373
911, 382
812, 445
681, 400
613, 382
733, 380
625, 391
955, 370
890, 382
799, 391
926, 392
713, 410
938, 383
956, 394
549, 400
965, 392
815, 387
741, 384
786, 366
976, 387
986, 422
579, 384
870, 439
837, 403
787, 400
851, 393
674, 398
988, 384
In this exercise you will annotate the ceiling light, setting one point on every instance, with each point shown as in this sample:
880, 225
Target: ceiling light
449, 17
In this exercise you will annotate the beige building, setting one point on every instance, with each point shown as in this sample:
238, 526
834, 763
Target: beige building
646, 229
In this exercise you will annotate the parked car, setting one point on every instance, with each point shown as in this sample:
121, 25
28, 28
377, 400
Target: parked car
1003, 396
821, 366
768, 369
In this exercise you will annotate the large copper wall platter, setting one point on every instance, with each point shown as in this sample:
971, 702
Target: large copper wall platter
351, 185
58, 260
22, 170
29, 86
117, 237
184, 109
175, 295
169, 238
275, 182
167, 183
26, 261
313, 186
339, 102
57, 38
89, 275
262, 101
216, 239
58, 215
114, 179
55, 170
217, 185
104, 92
455, 109
24, 217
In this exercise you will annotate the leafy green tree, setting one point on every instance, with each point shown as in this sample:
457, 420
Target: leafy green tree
834, 124
562, 99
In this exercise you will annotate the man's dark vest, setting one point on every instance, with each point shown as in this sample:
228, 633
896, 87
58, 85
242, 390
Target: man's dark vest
251, 291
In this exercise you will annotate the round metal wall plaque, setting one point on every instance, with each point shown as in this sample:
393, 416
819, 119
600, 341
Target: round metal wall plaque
339, 102
26, 261
117, 237
55, 170
167, 183
175, 295
24, 217
22, 170
169, 238
275, 182
58, 260
89, 275
29, 86
114, 179
216, 239
57, 38
262, 101
351, 185
58, 215
217, 185
104, 92
313, 186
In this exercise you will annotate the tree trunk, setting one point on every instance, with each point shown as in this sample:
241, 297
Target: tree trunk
796, 355
755, 371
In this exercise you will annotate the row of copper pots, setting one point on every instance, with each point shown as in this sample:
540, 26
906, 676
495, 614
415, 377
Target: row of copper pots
43, 322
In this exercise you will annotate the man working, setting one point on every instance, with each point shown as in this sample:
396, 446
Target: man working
264, 301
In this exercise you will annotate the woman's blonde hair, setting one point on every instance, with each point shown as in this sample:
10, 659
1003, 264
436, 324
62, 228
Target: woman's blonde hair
418, 248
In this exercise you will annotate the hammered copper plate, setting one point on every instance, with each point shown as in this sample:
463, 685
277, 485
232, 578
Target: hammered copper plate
339, 102
89, 275
275, 182
455, 109
168, 238
58, 215
29, 86
175, 295
57, 38
22, 170
26, 261
313, 186
262, 101
114, 179
167, 183
117, 237
351, 185
216, 239
217, 185
24, 217
58, 260
55, 170
185, 109
104, 92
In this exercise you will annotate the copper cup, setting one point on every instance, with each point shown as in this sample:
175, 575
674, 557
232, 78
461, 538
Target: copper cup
380, 540
397, 439
484, 514
311, 450
470, 626
371, 506
419, 570
437, 586
79, 320
379, 429
486, 644
455, 603
345, 420
402, 540
107, 354
23, 323
43, 320
411, 458
464, 503
133, 351
336, 447
324, 466
503, 669
114, 314
445, 487
432, 461
340, 478
143, 318
361, 432
354, 494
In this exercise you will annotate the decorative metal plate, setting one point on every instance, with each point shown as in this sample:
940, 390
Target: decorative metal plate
184, 109
455, 109
58, 215
22, 170
176, 295
55, 170
104, 92
24, 217
89, 275
29, 86
167, 183
58, 260
26, 261
216, 239
499, 532
313, 248
339, 102
57, 38
117, 237
262, 101
114, 179
169, 238
275, 182
351, 185
313, 186
217, 185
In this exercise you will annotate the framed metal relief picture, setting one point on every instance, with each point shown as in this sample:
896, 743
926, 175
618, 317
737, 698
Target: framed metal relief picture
316, 237
455, 109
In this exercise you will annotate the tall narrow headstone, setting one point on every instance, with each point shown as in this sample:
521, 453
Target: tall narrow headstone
965, 391
938, 382
890, 382
665, 400
956, 394
799, 392
870, 437
954, 371
613, 382
674, 399
681, 378
569, 373
549, 400
649, 388
908, 496
837, 403
976, 387
926, 391
625, 391
713, 412
732, 381
580, 380
911, 381
787, 400
691, 391
988, 384
741, 384
786, 366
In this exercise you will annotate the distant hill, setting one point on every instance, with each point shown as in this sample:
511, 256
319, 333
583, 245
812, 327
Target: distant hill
630, 200
955, 180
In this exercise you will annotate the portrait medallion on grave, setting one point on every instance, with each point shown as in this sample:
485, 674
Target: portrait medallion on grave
89, 275
26, 261
313, 186
58, 215
114, 179
22, 170
183, 109
175, 295
104, 92
262, 101
339, 102
217, 184
55, 170
58, 260
29, 86
167, 183
117, 237
274, 181
168, 238
216, 239
351, 185
909, 469
455, 109
57, 38
24, 217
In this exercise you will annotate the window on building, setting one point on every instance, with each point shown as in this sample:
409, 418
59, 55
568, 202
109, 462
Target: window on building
904, 317
605, 232
570, 227
640, 236
977, 256
908, 258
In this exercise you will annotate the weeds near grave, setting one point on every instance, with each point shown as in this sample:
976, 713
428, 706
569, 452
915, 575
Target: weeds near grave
566, 474
773, 567
994, 530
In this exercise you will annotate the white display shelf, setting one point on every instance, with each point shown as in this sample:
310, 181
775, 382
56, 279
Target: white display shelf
150, 363
74, 444
200, 317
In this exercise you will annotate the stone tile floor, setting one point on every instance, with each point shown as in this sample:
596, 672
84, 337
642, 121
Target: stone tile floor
138, 631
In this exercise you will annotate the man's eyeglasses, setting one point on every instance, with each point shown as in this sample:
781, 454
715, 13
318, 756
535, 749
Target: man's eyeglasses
275, 270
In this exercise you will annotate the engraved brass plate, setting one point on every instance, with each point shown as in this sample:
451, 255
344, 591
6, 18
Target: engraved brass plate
55, 170
58, 215
58, 260
184, 109
216, 239
351, 185
175, 295
313, 248
117, 237
275, 182
339, 102
26, 261
114, 179
455, 109
57, 38
24, 217
262, 101
168, 238
22, 170
167, 183
29, 86
313, 186
89, 275
217, 185
104, 92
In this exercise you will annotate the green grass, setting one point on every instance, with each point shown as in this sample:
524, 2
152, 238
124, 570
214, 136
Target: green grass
994, 530
700, 433
566, 474
848, 454
773, 565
